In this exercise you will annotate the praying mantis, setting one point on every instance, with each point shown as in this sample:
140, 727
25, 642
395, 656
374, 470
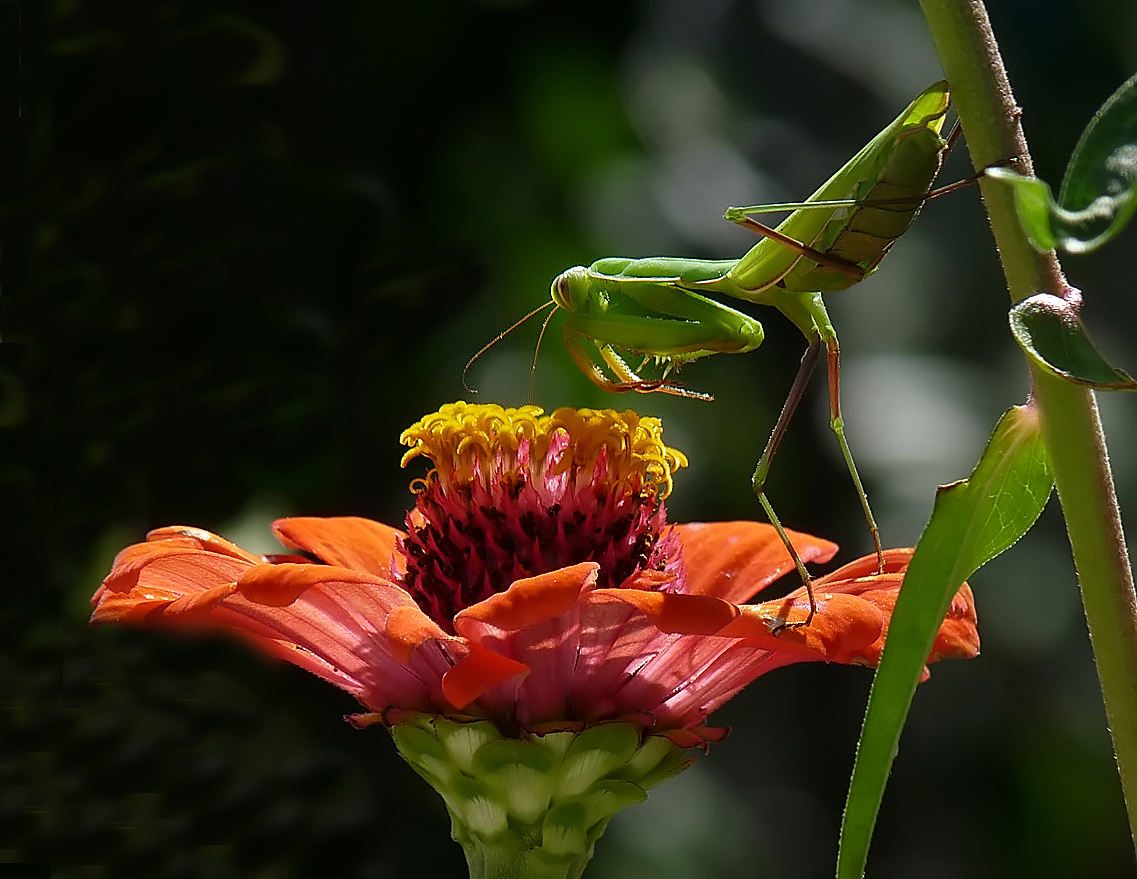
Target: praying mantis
662, 309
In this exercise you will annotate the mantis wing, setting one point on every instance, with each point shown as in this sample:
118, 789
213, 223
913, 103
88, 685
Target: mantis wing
769, 261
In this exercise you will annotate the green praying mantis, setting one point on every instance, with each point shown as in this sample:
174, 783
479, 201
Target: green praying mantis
661, 308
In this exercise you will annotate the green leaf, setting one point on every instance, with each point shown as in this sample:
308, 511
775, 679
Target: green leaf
972, 522
1052, 334
1098, 192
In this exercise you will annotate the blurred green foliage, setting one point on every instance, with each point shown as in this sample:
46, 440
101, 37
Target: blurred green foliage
246, 243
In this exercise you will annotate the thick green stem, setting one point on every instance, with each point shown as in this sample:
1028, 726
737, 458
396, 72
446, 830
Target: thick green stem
1070, 423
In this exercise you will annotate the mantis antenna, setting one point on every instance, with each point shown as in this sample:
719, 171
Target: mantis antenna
501, 336
537, 350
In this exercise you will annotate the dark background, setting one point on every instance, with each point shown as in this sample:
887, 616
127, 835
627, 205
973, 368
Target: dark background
247, 243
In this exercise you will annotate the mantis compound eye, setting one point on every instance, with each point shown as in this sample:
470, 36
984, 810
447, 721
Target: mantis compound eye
567, 286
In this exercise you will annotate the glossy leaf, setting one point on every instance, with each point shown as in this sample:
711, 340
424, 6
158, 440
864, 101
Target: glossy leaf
1099, 191
972, 522
1051, 332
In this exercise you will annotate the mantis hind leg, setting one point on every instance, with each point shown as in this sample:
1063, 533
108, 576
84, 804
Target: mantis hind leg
829, 261
837, 424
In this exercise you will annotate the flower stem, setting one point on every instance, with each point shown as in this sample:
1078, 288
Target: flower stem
1070, 423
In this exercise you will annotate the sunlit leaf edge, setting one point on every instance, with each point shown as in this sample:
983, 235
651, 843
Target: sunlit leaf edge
1108, 195
1061, 317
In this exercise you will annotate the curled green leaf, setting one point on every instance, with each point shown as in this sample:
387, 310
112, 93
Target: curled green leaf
972, 522
1099, 190
1050, 331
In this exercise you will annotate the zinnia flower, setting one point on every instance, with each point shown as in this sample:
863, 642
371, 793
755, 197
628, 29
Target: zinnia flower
541, 643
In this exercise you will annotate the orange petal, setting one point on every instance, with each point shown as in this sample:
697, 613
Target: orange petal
480, 670
407, 628
362, 721
166, 576
674, 612
281, 585
844, 629
696, 736
199, 604
347, 541
653, 581
527, 602
128, 564
201, 538
735, 560
958, 637
118, 608
867, 567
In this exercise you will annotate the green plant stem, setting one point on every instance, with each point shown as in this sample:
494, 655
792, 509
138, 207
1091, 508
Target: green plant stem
1070, 423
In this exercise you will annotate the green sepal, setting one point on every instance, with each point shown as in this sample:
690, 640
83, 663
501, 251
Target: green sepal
972, 522
530, 806
1050, 331
595, 753
1099, 190
657, 760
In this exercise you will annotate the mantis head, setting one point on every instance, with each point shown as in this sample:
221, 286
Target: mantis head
572, 290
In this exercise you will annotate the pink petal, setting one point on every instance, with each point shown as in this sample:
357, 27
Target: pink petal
536, 621
615, 639
340, 616
326, 619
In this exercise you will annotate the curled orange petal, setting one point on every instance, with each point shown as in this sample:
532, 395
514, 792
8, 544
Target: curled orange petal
735, 560
407, 628
673, 612
202, 539
480, 670
530, 601
958, 637
280, 585
844, 629
348, 541
197, 605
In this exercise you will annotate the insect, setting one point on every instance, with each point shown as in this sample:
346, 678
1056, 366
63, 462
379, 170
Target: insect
661, 308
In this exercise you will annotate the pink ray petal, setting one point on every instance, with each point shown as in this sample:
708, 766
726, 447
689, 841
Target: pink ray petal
536, 621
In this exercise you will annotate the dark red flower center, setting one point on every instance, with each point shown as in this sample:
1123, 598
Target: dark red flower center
533, 496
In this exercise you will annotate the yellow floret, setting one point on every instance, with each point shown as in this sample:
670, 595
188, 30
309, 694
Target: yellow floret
460, 435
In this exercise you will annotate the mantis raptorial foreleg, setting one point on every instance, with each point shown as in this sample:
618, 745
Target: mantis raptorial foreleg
629, 379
